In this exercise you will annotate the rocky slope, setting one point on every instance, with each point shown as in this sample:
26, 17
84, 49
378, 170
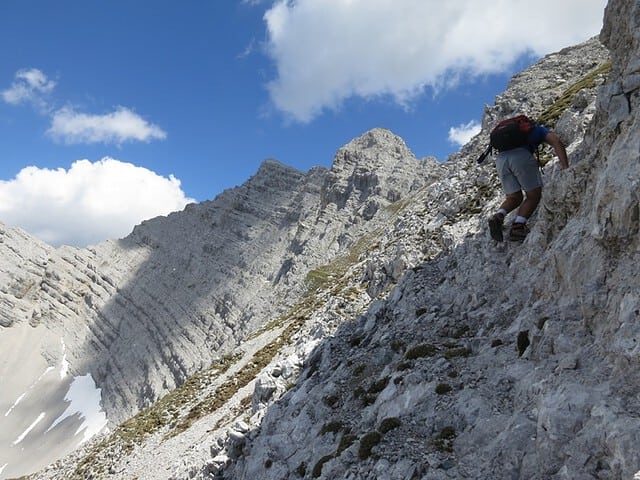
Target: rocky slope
397, 341
418, 348
484, 361
494, 361
138, 316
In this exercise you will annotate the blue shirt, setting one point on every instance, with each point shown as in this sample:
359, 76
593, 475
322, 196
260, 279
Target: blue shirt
536, 137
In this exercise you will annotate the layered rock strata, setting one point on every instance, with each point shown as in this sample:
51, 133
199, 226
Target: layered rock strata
143, 313
446, 374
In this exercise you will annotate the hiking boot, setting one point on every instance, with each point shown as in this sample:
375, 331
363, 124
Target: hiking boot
518, 232
495, 227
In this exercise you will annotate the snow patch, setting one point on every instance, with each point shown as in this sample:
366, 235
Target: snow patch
15, 404
84, 398
31, 427
19, 399
64, 366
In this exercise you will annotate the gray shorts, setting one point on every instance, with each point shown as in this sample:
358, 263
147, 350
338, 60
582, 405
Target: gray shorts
518, 170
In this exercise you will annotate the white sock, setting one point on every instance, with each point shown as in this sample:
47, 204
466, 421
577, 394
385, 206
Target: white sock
503, 212
520, 219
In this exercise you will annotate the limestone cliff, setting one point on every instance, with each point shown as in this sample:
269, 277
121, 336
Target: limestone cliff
412, 351
380, 333
141, 314
491, 361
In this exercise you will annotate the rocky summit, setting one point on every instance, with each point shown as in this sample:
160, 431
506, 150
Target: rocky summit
355, 322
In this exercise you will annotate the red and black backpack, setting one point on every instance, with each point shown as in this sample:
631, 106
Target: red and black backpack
511, 133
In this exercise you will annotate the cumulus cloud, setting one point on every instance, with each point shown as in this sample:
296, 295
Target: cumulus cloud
326, 51
29, 86
463, 133
70, 126
89, 202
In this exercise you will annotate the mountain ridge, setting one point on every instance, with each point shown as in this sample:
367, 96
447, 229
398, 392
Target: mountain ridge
334, 337
143, 313
412, 347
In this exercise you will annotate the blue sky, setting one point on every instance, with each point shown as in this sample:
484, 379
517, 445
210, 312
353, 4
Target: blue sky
116, 111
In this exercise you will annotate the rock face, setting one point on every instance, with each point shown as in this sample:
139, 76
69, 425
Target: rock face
397, 341
495, 361
484, 361
141, 314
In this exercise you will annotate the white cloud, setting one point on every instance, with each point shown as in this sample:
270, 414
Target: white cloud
70, 126
29, 86
326, 51
463, 133
88, 203
248, 50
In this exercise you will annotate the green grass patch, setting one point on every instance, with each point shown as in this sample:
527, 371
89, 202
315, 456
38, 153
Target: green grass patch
379, 385
420, 351
397, 345
457, 352
331, 427
389, 424
461, 332
444, 440
260, 360
301, 471
346, 441
443, 388
404, 366
317, 468
330, 400
550, 116
326, 275
359, 370
367, 443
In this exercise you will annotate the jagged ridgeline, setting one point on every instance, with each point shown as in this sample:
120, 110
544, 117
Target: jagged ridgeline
138, 316
356, 322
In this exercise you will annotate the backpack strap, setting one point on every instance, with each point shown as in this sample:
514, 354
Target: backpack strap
484, 154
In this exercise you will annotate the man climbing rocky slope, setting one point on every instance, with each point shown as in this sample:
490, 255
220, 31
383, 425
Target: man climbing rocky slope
473, 361
456, 372
494, 362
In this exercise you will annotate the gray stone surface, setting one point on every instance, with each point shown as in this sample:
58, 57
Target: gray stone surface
427, 351
143, 313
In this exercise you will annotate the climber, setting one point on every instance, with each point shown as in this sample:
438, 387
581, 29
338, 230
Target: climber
516, 139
